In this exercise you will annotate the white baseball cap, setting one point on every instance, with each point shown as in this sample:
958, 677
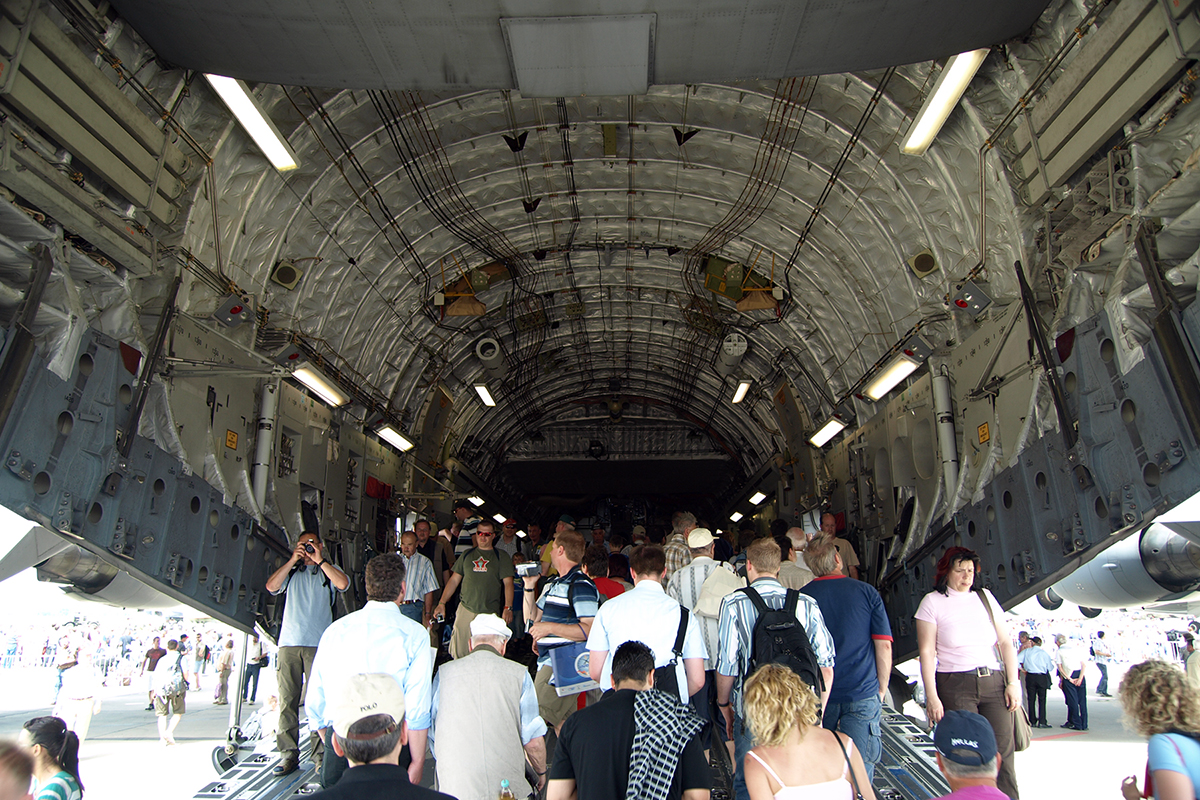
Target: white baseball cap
362, 696
489, 625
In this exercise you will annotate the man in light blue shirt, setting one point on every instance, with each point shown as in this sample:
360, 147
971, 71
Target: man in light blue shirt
311, 584
376, 638
1037, 665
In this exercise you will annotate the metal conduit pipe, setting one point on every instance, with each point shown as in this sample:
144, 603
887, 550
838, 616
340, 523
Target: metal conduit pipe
261, 469
947, 438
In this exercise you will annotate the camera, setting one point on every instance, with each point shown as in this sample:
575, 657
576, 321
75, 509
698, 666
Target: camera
529, 569
308, 548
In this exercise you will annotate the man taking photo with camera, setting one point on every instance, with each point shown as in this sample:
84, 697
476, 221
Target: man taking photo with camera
311, 584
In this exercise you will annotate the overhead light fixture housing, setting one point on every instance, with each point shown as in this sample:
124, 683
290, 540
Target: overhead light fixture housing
757, 498
832, 427
484, 395
475, 501
740, 393
946, 93
735, 516
321, 386
912, 355
241, 103
395, 438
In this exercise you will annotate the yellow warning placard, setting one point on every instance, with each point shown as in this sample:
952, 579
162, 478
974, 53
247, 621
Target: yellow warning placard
231, 440
984, 434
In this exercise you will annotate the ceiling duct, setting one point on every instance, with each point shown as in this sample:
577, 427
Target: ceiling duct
488, 351
733, 347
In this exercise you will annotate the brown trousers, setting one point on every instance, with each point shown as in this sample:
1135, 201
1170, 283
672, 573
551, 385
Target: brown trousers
966, 691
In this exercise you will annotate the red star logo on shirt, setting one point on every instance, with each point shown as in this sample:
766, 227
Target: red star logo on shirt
480, 564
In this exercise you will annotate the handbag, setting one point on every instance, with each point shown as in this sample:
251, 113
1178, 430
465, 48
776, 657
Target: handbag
1022, 731
849, 766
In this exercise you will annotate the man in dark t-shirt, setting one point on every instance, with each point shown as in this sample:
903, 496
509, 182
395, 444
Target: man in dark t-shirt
486, 577
150, 662
596, 758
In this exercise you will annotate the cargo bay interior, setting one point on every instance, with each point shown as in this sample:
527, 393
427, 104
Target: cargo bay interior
610, 261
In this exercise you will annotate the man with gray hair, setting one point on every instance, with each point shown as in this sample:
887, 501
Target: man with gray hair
486, 718
862, 637
676, 548
967, 756
369, 731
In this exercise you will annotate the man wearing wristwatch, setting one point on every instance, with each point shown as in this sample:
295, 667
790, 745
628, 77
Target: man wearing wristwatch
311, 584
486, 576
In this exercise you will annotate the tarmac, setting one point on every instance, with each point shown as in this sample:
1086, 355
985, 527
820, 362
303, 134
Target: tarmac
123, 758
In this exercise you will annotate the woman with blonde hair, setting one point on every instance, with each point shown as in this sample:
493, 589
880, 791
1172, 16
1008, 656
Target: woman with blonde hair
794, 758
1160, 704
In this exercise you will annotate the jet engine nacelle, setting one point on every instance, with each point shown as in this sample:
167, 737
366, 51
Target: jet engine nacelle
1154, 565
81, 573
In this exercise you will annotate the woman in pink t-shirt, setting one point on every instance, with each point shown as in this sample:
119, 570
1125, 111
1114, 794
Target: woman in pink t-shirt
968, 662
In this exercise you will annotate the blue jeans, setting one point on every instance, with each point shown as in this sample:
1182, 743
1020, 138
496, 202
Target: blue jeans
860, 720
743, 742
1103, 687
413, 611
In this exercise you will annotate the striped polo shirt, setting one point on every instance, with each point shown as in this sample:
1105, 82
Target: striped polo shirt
566, 599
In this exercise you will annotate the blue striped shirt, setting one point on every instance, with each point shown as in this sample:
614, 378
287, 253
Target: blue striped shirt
566, 605
465, 541
419, 579
736, 630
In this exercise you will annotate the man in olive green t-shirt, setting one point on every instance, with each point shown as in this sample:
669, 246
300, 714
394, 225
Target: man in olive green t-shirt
486, 575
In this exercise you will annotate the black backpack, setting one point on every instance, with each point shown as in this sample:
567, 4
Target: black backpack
780, 638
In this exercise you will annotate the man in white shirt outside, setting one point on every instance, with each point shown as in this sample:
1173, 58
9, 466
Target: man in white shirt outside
1071, 661
376, 638
646, 614
420, 582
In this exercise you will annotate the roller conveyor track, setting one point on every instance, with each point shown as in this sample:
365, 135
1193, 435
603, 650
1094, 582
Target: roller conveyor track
907, 770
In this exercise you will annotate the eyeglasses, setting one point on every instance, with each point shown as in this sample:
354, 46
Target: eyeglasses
486, 533
510, 526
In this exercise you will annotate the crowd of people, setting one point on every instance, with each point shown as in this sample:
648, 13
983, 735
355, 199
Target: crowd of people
593, 665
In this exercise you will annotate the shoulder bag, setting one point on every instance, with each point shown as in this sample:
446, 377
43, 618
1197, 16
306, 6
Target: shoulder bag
1022, 730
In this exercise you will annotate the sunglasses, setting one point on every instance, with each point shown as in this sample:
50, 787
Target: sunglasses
486, 533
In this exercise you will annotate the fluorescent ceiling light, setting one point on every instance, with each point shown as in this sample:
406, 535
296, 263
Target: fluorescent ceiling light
236, 95
499, 518
743, 387
484, 395
895, 371
321, 386
757, 498
395, 438
830, 429
521, 534
946, 93
735, 516
475, 501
